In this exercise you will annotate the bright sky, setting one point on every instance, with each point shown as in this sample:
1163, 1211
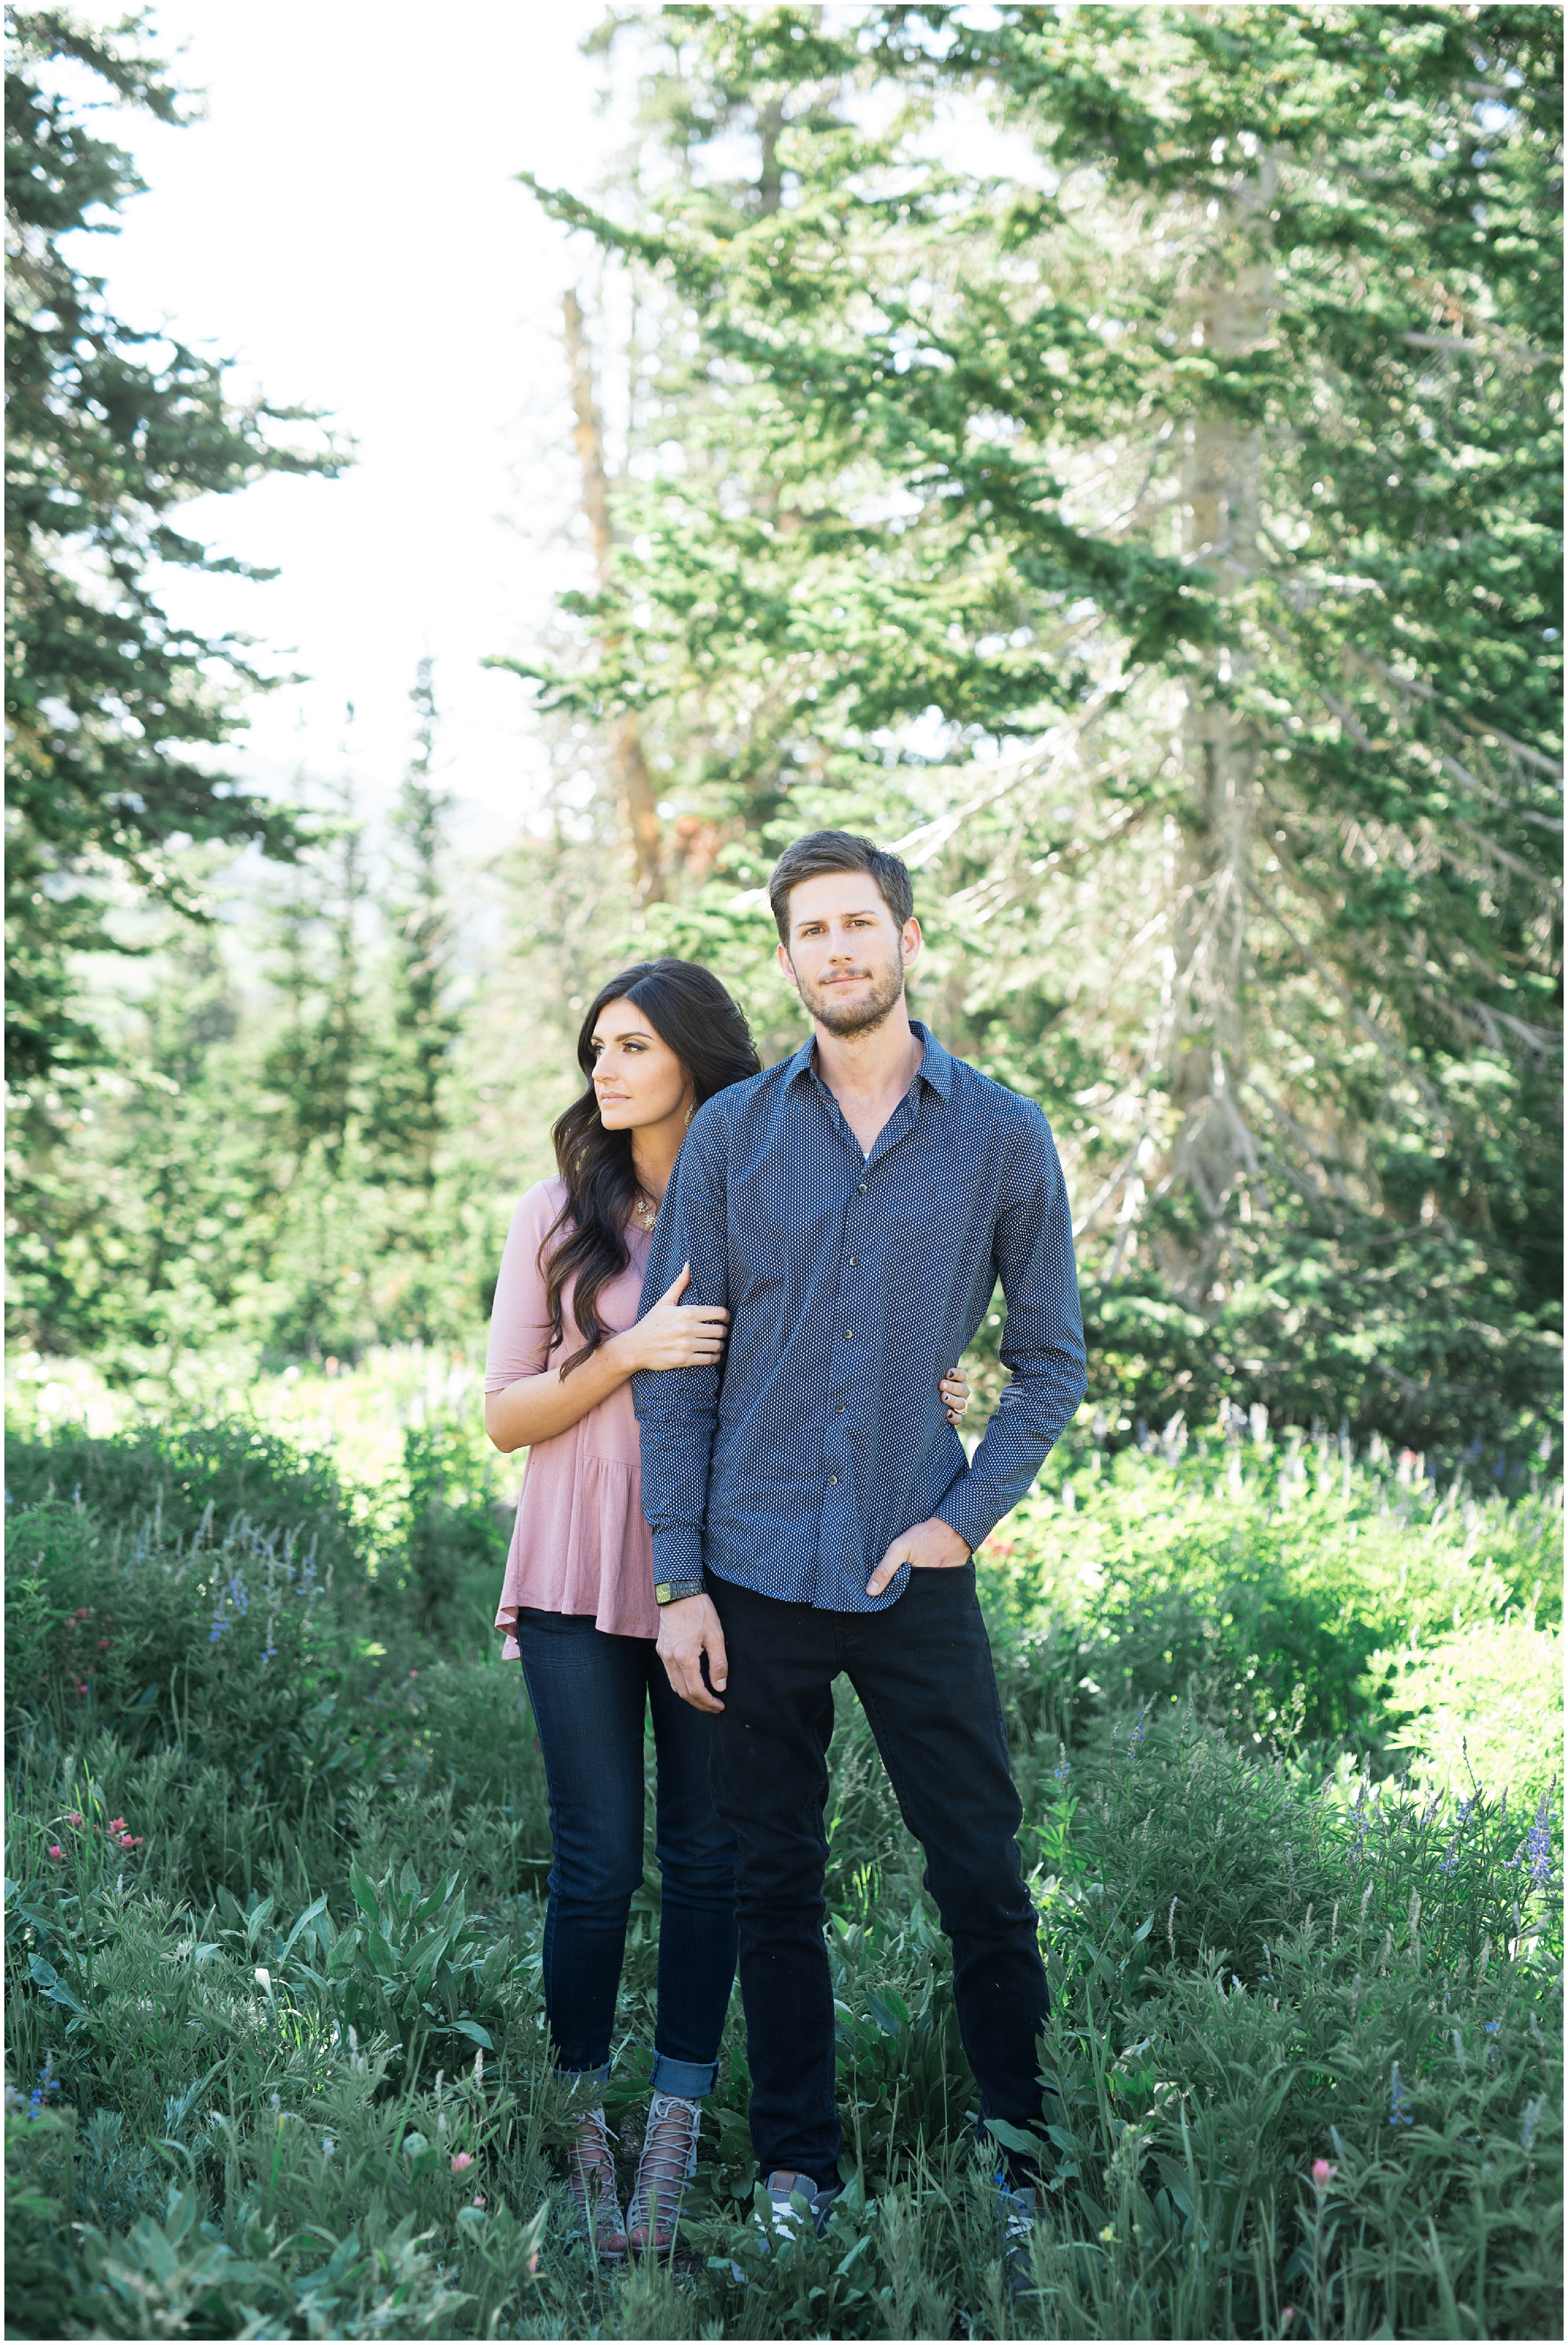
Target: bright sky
346, 224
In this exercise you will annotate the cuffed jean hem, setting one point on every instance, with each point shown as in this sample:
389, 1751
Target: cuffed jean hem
600, 2076
688, 2080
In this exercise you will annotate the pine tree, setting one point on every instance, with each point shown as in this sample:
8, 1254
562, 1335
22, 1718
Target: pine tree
110, 703
1200, 480
409, 1115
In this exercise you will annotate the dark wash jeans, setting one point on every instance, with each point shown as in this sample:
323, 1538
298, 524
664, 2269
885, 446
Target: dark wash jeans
590, 1693
923, 1672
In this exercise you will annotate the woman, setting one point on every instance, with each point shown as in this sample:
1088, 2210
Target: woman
578, 1600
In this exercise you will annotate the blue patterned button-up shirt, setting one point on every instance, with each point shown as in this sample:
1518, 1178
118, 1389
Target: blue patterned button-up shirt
854, 1284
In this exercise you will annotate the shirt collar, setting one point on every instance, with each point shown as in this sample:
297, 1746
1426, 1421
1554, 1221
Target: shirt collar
936, 1067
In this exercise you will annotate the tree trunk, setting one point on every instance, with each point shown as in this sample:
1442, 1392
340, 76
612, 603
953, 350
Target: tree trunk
634, 787
1202, 1043
770, 185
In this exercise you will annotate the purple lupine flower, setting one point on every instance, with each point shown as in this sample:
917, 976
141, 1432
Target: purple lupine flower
1538, 1844
1139, 1728
1450, 1864
1399, 2100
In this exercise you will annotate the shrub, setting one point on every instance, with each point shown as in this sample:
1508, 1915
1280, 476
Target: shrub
1481, 1705
455, 1529
191, 1478
1269, 1581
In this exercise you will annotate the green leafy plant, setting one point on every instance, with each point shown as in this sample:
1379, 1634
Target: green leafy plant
414, 1967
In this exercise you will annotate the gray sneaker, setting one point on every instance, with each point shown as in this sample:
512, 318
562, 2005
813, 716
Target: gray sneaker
795, 2196
1018, 2211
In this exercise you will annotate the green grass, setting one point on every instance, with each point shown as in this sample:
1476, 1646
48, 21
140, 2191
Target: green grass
1283, 1725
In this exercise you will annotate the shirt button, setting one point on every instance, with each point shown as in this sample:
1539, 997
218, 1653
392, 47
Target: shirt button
832, 1477
842, 1407
855, 1262
863, 1189
849, 1334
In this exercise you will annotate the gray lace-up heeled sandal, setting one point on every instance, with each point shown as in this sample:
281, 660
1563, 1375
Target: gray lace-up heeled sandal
668, 2162
591, 2170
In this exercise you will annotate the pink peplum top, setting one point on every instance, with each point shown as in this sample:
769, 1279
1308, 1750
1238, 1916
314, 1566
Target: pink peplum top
581, 1544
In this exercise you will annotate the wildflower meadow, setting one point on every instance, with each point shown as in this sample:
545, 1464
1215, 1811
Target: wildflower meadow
1287, 1725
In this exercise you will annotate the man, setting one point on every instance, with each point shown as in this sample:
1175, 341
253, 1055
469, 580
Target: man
812, 1509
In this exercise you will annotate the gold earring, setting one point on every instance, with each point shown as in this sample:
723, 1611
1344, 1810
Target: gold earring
691, 1111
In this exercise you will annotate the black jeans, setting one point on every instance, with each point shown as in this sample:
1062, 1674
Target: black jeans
923, 1672
590, 1694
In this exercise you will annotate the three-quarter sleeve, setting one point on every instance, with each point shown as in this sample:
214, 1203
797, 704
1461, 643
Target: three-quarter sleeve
520, 1321
677, 1408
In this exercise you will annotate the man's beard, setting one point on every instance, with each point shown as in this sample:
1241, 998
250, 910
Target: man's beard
847, 1017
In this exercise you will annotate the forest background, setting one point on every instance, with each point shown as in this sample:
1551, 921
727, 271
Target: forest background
1154, 536
1155, 539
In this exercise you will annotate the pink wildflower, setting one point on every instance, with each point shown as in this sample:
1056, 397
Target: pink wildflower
478, 2199
1322, 2174
116, 1824
72, 1817
57, 1851
81, 1685
460, 2161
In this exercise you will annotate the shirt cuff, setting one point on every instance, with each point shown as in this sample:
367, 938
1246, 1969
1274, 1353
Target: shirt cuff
677, 1552
970, 1508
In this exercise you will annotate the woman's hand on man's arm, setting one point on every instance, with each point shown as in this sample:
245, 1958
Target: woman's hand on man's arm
676, 1335
671, 1336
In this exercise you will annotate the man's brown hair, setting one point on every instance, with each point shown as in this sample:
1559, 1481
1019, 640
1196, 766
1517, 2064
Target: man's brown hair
821, 851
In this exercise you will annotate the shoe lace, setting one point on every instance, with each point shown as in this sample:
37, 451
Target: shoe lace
590, 2166
1017, 2218
669, 2156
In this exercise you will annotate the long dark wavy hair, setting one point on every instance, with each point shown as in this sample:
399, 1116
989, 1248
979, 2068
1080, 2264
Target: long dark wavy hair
690, 1011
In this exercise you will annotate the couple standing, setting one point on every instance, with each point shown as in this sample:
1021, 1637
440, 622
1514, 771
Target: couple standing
726, 1334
